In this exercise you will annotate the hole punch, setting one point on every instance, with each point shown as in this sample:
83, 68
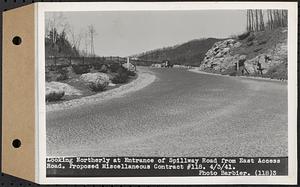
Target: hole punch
17, 40
16, 143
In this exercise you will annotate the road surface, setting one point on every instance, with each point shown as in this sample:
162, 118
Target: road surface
181, 114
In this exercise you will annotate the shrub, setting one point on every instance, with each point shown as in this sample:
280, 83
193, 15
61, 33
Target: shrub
100, 67
98, 85
131, 73
114, 68
243, 36
278, 72
251, 38
62, 74
121, 76
103, 69
81, 69
54, 95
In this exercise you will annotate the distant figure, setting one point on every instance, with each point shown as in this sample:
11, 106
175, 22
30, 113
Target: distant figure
259, 68
241, 65
167, 64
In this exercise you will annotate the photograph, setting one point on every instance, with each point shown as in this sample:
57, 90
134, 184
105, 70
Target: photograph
187, 86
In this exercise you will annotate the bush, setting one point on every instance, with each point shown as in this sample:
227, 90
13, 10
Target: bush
122, 76
251, 38
278, 72
243, 36
62, 74
81, 69
98, 85
114, 68
103, 69
54, 95
131, 73
100, 67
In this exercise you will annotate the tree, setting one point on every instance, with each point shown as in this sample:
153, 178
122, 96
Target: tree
55, 21
259, 20
75, 38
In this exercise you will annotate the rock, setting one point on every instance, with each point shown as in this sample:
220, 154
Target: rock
96, 81
53, 93
61, 87
223, 55
219, 55
93, 77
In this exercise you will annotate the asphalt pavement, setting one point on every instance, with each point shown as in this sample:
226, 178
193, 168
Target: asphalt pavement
182, 113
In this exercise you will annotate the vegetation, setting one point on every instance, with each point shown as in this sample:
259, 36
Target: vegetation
278, 72
189, 53
57, 44
81, 69
54, 96
122, 75
260, 20
98, 85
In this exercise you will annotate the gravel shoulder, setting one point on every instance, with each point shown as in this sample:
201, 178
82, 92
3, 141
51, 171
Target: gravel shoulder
144, 78
245, 77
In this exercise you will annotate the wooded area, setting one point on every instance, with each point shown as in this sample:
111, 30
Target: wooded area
260, 20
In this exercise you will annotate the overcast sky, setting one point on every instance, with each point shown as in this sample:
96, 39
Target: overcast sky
130, 32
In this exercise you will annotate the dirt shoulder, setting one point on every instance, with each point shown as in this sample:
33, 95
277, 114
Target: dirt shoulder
244, 77
144, 78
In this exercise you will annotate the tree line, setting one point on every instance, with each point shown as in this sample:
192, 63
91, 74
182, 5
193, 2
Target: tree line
61, 39
260, 20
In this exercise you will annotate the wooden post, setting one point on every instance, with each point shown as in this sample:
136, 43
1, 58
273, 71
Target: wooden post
237, 66
54, 61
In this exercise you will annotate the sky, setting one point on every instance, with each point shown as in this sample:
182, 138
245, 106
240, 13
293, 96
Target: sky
125, 33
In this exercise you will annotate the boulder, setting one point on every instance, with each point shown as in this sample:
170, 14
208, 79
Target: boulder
62, 87
93, 77
96, 81
53, 93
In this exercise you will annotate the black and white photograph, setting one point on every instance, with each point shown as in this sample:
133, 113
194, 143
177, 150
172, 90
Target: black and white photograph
167, 92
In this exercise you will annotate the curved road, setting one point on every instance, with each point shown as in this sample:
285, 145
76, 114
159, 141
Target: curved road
181, 114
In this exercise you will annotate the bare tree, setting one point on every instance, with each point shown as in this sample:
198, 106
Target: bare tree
75, 38
259, 20
54, 23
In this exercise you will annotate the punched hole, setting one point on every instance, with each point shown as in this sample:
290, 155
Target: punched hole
17, 40
16, 143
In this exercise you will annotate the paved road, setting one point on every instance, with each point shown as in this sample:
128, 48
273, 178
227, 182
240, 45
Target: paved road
181, 114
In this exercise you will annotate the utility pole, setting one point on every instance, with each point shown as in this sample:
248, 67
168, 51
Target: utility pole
92, 33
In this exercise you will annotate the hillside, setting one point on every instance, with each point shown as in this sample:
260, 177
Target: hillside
189, 53
262, 53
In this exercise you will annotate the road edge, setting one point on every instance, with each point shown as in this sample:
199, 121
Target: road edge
144, 79
243, 77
